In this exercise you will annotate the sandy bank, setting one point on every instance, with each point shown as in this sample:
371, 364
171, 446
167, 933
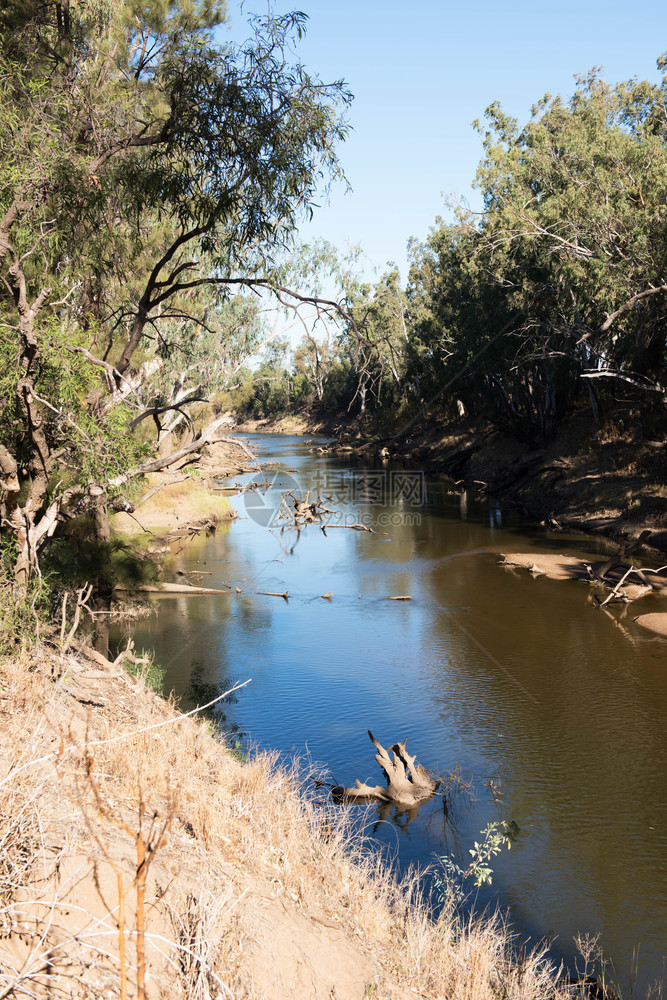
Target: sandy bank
185, 501
621, 582
297, 423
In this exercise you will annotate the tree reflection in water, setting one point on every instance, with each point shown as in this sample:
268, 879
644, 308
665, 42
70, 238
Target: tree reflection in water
201, 691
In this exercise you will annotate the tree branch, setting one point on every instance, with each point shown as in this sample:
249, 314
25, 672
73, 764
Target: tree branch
196, 397
626, 307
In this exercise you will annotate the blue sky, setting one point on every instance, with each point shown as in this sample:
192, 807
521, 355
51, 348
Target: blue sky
421, 72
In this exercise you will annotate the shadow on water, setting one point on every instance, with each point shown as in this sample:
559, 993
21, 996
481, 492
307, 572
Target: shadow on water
202, 690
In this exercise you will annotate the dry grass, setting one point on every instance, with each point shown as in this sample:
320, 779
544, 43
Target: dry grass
174, 505
247, 888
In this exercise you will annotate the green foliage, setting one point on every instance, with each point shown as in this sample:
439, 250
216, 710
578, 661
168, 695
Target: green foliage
267, 391
354, 361
149, 175
375, 343
79, 556
496, 835
22, 613
143, 666
511, 307
450, 882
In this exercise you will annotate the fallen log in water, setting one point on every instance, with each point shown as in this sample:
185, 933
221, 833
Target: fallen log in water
407, 783
170, 589
600, 572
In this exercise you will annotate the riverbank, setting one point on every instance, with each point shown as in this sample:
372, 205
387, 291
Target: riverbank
606, 480
140, 855
186, 501
171, 505
170, 509
297, 423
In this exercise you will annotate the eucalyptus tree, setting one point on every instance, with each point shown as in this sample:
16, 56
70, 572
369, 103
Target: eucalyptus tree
561, 282
575, 204
144, 164
192, 361
377, 340
353, 355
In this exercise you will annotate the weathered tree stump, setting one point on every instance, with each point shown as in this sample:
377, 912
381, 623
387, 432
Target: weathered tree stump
407, 783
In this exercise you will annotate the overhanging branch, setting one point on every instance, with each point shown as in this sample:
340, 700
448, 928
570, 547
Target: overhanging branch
155, 411
626, 307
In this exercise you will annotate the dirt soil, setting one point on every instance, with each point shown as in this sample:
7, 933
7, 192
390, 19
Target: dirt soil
173, 504
298, 423
141, 859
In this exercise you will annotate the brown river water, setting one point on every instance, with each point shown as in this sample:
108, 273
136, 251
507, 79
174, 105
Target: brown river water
554, 709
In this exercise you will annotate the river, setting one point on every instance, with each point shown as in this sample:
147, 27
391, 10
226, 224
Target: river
553, 709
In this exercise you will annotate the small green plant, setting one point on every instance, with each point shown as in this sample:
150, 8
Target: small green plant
496, 836
143, 666
450, 885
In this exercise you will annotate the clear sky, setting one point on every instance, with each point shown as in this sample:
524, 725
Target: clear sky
422, 71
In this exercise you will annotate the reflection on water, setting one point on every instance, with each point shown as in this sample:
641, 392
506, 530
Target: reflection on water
524, 683
209, 696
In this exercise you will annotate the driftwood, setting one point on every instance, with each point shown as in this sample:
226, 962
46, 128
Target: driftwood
274, 593
601, 571
351, 527
407, 783
172, 588
298, 512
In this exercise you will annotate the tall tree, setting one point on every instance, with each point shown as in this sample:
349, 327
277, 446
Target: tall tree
143, 165
561, 282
